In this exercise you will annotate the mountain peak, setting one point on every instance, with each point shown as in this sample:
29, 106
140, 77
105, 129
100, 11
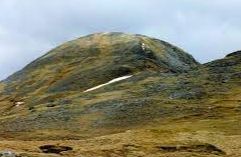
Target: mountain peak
101, 57
61, 85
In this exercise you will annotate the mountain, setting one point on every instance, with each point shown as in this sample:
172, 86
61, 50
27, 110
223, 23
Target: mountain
117, 94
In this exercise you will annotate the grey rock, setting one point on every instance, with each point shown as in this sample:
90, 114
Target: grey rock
7, 154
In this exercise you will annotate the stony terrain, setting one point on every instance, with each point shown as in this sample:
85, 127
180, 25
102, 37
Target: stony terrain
116, 94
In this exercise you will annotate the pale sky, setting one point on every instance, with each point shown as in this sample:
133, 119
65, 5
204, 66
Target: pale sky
207, 29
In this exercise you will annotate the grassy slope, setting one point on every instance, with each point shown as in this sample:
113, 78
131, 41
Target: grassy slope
155, 108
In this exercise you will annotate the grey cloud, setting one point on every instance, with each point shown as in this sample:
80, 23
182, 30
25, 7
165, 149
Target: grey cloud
29, 28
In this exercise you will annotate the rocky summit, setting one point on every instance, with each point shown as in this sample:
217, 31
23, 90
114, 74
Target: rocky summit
122, 95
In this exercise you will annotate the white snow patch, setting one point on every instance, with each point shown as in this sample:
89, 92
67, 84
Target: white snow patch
19, 103
111, 81
143, 46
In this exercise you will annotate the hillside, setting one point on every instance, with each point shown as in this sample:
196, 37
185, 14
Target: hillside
116, 94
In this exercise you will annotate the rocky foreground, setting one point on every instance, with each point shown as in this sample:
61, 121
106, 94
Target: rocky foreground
117, 95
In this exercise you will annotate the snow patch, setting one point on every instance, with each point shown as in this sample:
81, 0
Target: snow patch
143, 46
19, 103
110, 82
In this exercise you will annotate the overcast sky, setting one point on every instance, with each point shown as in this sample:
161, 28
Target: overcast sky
207, 29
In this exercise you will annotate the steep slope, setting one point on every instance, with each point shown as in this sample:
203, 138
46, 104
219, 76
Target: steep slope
50, 91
